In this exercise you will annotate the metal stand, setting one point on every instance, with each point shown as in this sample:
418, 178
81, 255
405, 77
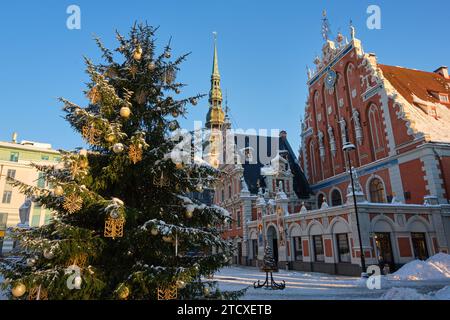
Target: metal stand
272, 285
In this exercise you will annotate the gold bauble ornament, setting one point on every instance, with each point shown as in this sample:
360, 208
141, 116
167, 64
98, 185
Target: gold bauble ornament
175, 113
48, 254
118, 148
167, 54
125, 112
189, 211
58, 191
177, 91
154, 231
180, 284
206, 291
167, 238
124, 292
199, 187
18, 290
193, 101
110, 137
31, 262
137, 55
179, 165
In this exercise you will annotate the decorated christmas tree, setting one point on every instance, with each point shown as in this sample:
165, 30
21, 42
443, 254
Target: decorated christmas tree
124, 226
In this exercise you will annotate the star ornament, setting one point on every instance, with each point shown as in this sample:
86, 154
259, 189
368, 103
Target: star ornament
73, 203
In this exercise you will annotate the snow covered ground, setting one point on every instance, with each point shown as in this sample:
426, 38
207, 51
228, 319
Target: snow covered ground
417, 280
316, 286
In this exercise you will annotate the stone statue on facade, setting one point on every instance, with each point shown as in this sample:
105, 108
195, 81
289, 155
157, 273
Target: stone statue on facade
358, 128
24, 213
332, 141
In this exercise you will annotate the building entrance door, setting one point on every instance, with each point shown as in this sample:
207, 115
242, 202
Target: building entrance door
384, 249
419, 245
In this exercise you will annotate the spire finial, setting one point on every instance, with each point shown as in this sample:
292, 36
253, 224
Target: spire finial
215, 70
352, 30
325, 26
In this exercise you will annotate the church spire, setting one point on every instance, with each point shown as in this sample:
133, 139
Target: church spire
215, 70
215, 116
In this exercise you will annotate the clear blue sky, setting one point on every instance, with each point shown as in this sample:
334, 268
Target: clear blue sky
264, 47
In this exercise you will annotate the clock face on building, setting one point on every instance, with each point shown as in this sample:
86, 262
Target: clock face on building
330, 79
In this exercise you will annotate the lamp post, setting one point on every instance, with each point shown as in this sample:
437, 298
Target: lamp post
347, 148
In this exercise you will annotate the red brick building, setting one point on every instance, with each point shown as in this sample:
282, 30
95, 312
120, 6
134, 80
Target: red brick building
399, 121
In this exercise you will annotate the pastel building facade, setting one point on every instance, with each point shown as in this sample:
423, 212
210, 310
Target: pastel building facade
15, 160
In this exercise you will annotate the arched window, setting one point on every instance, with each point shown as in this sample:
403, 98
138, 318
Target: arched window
336, 198
320, 200
376, 191
376, 132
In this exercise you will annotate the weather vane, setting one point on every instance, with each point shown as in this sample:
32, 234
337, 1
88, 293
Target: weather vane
325, 26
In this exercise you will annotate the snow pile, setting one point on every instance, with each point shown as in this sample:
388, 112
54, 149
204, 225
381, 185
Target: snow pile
441, 261
413, 294
443, 294
435, 268
403, 294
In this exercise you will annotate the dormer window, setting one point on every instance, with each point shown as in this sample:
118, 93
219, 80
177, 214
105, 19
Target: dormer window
443, 98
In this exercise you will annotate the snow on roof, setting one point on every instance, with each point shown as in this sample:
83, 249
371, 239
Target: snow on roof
424, 111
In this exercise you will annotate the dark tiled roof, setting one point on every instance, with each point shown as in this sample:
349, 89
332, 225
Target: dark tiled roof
252, 169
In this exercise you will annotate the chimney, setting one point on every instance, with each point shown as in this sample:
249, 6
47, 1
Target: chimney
443, 71
14, 137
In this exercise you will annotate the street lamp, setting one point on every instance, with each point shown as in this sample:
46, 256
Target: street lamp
347, 148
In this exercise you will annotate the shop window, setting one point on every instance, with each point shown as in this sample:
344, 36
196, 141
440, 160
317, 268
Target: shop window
318, 249
298, 249
343, 247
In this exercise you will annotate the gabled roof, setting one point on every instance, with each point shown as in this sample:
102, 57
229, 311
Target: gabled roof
421, 107
252, 169
410, 83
